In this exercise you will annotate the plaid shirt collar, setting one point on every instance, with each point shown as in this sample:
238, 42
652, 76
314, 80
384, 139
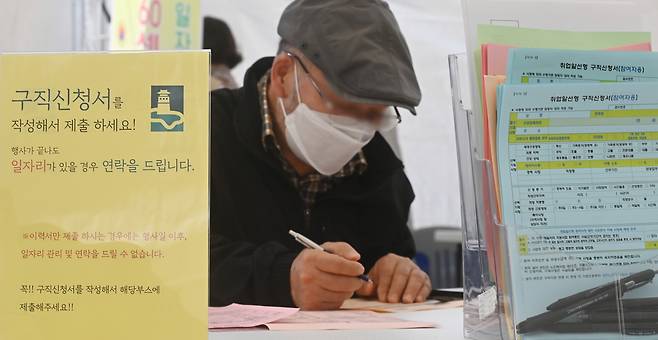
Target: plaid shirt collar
312, 184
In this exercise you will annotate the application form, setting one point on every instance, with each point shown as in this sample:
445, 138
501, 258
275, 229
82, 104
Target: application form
538, 66
578, 167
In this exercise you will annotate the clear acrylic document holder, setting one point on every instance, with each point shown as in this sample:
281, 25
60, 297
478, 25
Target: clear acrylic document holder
488, 312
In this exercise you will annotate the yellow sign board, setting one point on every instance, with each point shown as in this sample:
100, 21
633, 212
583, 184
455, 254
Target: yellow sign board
104, 196
156, 25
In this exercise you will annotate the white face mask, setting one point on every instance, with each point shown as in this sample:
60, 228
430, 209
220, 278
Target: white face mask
324, 141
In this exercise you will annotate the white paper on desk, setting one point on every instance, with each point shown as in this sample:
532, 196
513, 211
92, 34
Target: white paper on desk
383, 307
343, 319
242, 316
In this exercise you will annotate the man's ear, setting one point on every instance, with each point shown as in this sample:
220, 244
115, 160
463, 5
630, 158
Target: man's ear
280, 76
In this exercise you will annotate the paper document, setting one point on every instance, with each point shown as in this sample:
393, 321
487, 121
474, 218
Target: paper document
383, 307
495, 57
491, 84
539, 38
343, 319
240, 316
491, 59
536, 66
578, 167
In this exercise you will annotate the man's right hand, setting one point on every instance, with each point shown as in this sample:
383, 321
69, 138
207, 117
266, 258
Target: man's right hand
322, 280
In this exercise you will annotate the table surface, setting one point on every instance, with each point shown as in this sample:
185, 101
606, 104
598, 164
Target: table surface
450, 327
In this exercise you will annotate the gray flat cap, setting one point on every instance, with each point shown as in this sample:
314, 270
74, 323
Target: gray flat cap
358, 46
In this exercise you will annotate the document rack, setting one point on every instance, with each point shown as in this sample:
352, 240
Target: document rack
488, 312
487, 304
483, 317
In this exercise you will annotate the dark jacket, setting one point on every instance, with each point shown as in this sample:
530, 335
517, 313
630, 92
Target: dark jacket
254, 204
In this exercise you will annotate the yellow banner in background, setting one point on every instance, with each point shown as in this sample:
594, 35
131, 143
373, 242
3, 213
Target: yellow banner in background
156, 25
104, 196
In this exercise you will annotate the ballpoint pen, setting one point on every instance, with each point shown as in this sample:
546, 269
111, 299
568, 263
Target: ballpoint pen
629, 281
308, 243
618, 316
641, 328
546, 319
584, 300
628, 305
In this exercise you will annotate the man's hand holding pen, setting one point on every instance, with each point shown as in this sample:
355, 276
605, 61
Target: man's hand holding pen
324, 276
325, 279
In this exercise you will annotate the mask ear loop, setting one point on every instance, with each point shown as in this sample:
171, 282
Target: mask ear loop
299, 97
283, 107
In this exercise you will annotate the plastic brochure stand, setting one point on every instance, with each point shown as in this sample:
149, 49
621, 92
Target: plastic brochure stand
487, 302
488, 313
483, 317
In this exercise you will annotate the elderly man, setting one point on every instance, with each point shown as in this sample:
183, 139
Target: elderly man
298, 147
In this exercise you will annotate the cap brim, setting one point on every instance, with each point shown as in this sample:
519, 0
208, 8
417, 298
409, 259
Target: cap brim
373, 101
